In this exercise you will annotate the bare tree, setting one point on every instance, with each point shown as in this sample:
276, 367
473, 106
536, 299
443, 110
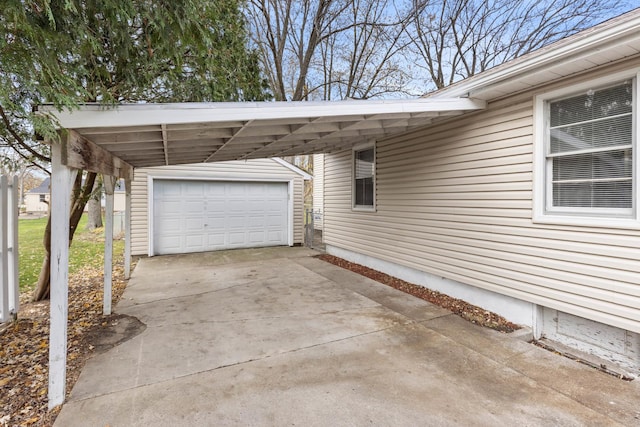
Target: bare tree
329, 49
287, 33
455, 39
363, 61
94, 206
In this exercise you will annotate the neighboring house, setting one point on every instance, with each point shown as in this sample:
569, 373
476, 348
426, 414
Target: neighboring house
529, 208
37, 199
211, 206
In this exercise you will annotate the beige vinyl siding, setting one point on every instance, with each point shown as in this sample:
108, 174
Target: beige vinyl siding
455, 200
260, 169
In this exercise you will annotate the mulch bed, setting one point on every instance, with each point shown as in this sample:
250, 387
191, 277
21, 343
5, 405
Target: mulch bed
463, 309
24, 347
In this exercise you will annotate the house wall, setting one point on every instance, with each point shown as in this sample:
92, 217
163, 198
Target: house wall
261, 169
454, 201
119, 201
33, 204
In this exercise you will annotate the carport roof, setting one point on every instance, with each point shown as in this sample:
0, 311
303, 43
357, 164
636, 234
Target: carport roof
145, 135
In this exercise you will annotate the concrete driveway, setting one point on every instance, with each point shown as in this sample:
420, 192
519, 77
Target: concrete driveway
276, 337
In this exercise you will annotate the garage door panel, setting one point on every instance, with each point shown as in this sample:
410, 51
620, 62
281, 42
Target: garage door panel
194, 206
170, 206
215, 239
272, 221
237, 238
195, 216
194, 224
170, 224
257, 236
167, 191
216, 224
194, 241
256, 222
170, 243
274, 236
193, 188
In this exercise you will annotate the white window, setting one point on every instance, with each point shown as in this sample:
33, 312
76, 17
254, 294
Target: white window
586, 154
364, 168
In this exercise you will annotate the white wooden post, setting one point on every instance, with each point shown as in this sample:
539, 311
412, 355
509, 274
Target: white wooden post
61, 183
127, 229
109, 187
4, 249
14, 275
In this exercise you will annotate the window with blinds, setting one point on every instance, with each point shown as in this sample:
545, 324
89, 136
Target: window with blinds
589, 153
363, 174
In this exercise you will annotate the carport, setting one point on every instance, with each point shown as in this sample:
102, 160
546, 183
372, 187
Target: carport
114, 141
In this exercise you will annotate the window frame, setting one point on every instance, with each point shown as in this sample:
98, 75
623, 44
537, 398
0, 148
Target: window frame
354, 150
543, 209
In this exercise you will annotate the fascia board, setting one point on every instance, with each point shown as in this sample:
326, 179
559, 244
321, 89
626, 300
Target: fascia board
155, 114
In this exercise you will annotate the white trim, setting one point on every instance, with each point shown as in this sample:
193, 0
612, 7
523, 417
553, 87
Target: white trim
150, 215
14, 250
5, 216
362, 147
290, 210
541, 197
172, 176
294, 168
109, 183
127, 229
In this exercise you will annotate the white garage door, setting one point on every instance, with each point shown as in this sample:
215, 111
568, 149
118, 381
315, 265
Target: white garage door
197, 216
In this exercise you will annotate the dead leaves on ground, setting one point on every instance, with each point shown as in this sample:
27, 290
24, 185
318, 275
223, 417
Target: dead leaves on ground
463, 309
24, 348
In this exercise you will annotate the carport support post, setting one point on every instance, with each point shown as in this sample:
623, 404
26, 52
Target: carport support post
109, 187
62, 178
127, 228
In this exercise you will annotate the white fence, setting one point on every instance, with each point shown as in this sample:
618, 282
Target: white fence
9, 292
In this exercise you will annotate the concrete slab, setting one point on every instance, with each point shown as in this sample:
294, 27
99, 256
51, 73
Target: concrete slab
278, 338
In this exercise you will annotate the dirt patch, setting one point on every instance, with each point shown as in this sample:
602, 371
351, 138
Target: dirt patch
114, 330
470, 312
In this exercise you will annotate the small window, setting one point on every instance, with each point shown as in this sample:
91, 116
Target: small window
43, 198
586, 153
364, 178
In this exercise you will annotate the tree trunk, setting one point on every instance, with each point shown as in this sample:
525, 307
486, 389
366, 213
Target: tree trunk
42, 290
94, 217
80, 196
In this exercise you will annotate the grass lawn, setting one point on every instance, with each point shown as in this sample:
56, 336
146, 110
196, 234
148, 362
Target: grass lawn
87, 248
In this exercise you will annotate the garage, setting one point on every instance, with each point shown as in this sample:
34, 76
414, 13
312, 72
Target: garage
206, 215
